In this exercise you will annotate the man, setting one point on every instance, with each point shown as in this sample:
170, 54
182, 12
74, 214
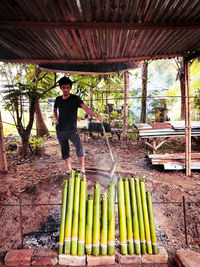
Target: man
66, 122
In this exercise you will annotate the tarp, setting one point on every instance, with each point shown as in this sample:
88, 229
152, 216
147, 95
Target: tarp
90, 68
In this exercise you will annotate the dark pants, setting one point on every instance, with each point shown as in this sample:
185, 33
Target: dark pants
64, 137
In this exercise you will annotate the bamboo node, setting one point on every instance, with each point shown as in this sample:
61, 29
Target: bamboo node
81, 241
137, 241
67, 239
103, 245
95, 245
88, 246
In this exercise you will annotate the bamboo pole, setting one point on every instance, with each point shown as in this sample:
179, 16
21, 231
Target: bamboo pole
152, 223
69, 213
136, 234
146, 218
96, 220
89, 222
187, 120
63, 216
82, 218
140, 216
122, 217
74, 246
128, 217
3, 160
104, 224
111, 219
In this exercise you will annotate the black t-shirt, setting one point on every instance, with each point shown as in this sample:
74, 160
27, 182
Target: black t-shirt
67, 112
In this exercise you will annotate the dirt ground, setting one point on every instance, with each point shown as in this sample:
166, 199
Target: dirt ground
31, 193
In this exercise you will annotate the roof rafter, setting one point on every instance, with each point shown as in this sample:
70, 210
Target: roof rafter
98, 25
77, 61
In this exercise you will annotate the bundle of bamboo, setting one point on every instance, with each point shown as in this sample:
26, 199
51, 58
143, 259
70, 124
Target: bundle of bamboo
136, 219
87, 225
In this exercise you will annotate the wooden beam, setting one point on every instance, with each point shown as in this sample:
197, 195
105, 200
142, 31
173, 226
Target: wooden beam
192, 56
97, 25
3, 161
77, 61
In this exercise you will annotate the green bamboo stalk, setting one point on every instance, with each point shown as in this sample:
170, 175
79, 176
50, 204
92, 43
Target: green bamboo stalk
96, 220
104, 224
140, 216
136, 234
63, 216
82, 218
89, 221
122, 217
152, 223
74, 246
69, 213
111, 219
146, 218
128, 217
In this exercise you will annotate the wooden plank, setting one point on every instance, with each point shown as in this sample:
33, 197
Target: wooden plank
181, 166
161, 135
163, 161
173, 156
181, 124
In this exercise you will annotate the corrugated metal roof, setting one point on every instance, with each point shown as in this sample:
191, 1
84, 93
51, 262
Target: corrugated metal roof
97, 32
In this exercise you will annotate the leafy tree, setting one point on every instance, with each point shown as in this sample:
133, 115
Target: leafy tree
98, 89
195, 84
25, 83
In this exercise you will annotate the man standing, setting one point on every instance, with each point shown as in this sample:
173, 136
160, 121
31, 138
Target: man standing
66, 122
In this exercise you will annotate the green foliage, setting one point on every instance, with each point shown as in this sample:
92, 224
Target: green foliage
100, 88
25, 85
37, 142
195, 85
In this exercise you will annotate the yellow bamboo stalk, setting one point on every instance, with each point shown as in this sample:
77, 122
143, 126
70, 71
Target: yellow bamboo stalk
122, 218
146, 218
111, 219
63, 216
128, 217
104, 224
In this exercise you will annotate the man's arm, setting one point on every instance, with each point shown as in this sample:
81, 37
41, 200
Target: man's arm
91, 112
55, 114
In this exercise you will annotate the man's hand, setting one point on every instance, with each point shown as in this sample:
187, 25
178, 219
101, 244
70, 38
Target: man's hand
56, 121
100, 118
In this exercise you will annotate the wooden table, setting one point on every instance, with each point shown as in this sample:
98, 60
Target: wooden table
153, 132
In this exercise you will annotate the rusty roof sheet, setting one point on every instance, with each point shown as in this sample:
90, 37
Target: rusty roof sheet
97, 32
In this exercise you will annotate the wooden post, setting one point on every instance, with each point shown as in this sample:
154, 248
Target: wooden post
187, 120
126, 94
3, 161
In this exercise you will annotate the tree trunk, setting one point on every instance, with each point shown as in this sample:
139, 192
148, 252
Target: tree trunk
25, 132
144, 91
40, 124
25, 149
